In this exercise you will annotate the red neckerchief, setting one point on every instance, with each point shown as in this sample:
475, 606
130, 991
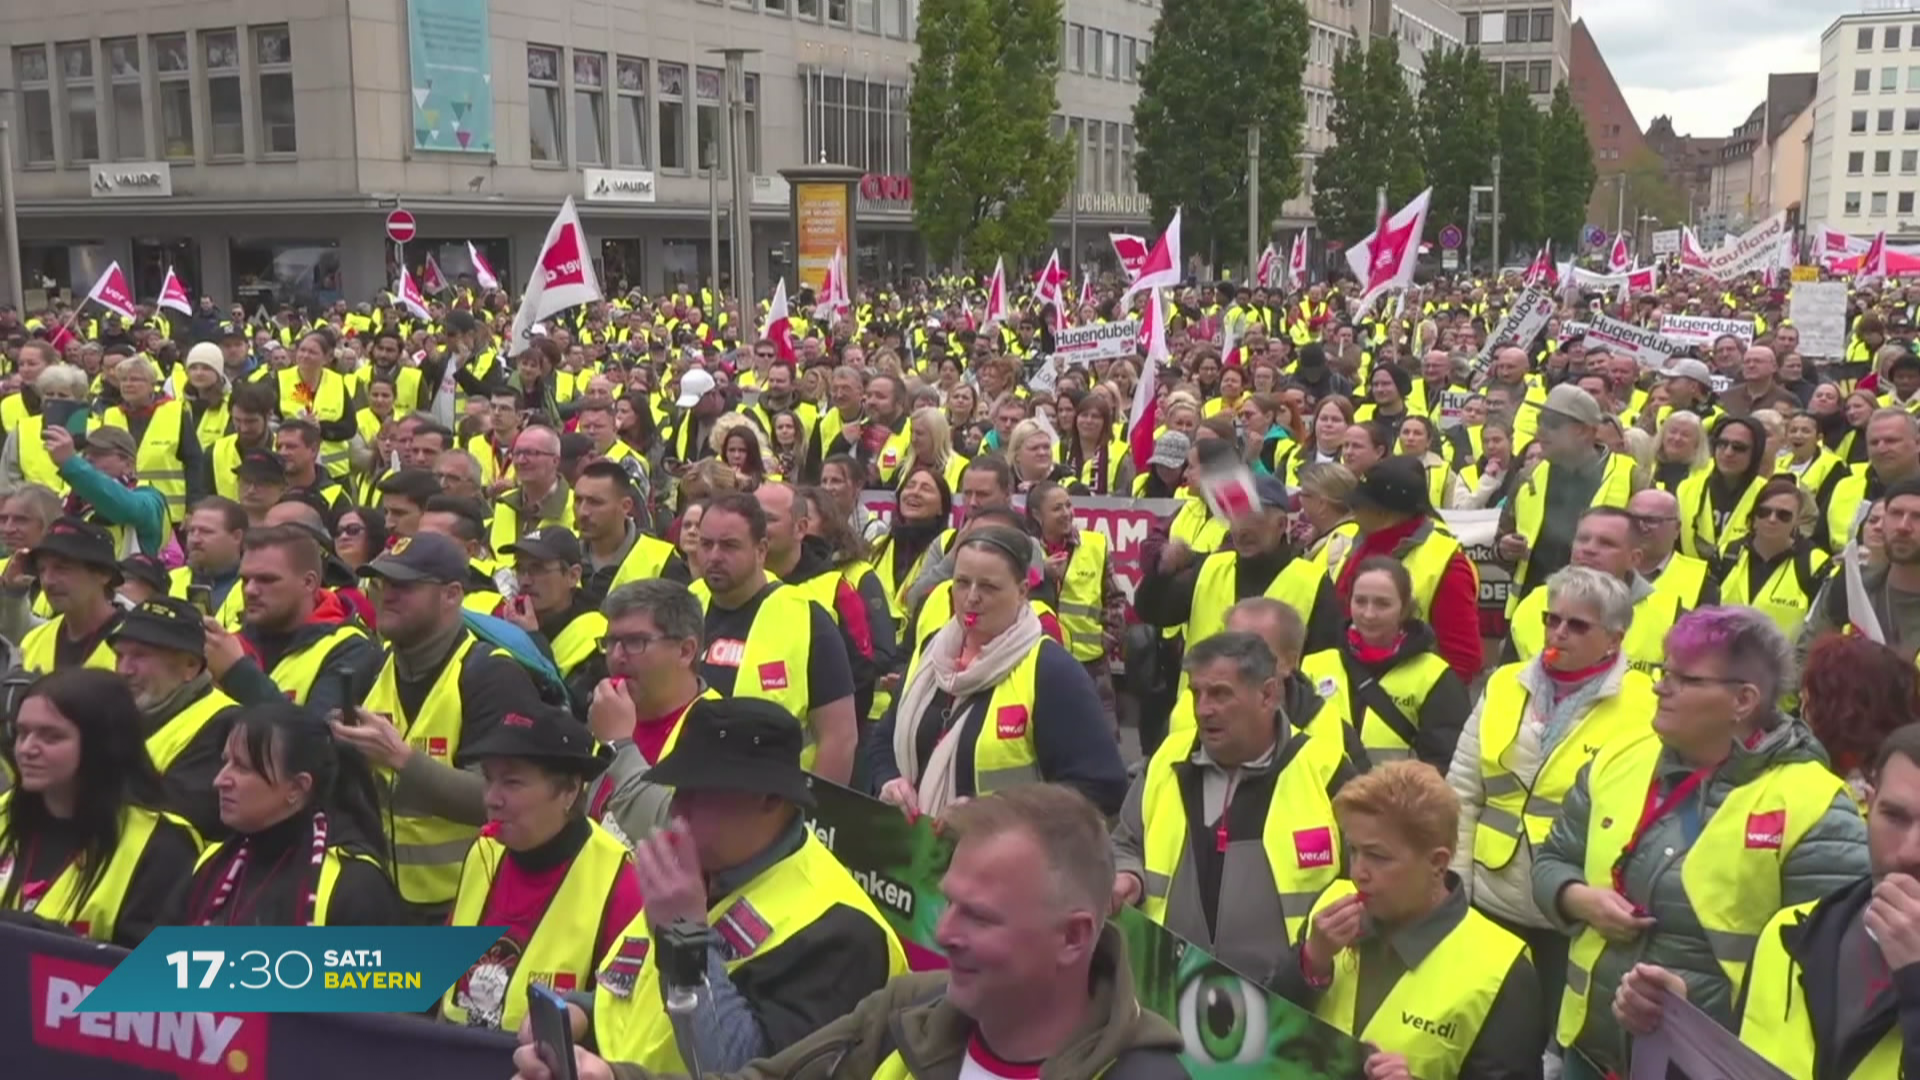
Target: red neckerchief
1580, 676
1373, 654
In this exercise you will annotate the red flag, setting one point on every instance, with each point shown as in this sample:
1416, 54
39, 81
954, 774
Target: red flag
997, 293
1873, 265
409, 293
562, 278
1131, 250
1263, 271
1297, 262
174, 295
111, 292
1146, 403
482, 272
1385, 260
434, 280
1161, 269
779, 327
1051, 289
1619, 261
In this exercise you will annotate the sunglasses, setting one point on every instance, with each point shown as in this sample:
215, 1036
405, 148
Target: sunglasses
1573, 625
1781, 514
1736, 447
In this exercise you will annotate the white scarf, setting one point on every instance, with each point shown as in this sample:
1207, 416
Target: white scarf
937, 671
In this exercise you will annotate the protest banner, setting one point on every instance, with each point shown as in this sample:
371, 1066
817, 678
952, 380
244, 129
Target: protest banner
1101, 341
1571, 328
1221, 1012
1756, 249
1700, 330
1649, 347
1524, 321
1819, 310
1666, 242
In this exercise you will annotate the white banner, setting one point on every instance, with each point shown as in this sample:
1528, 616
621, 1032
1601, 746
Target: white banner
1666, 242
1819, 311
1524, 320
1756, 249
1101, 341
1700, 330
1647, 346
1570, 328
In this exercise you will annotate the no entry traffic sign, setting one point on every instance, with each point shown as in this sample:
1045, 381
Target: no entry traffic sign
401, 227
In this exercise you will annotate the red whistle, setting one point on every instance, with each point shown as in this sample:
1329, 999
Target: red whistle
970, 619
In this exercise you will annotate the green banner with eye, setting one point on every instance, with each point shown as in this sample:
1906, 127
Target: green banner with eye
1234, 1028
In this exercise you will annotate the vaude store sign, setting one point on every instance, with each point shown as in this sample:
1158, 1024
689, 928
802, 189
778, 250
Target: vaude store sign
619, 186
131, 180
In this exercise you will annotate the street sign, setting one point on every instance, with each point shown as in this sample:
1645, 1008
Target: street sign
1666, 242
1451, 237
1449, 259
401, 227
1594, 235
1806, 273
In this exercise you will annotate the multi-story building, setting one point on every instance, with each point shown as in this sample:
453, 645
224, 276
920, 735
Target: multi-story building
1761, 169
1863, 157
257, 148
1531, 44
1611, 129
1688, 160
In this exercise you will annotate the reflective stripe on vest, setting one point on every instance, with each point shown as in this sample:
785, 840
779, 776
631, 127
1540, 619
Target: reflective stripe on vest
96, 913
1730, 874
157, 459
174, 736
1433, 1013
560, 951
1685, 577
1530, 505
1645, 643
1515, 803
1780, 597
1003, 749
1083, 609
773, 661
1300, 828
1700, 535
427, 851
296, 672
1408, 684
328, 406
1776, 1023
38, 650
749, 924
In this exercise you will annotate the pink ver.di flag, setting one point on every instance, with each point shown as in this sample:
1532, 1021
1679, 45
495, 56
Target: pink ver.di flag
174, 295
562, 278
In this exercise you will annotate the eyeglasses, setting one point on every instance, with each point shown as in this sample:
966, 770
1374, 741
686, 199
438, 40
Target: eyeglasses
1736, 447
446, 478
1689, 682
1781, 514
631, 643
1573, 625
353, 530
520, 452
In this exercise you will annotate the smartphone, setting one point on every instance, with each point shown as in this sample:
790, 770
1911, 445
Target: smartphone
201, 597
349, 705
58, 413
552, 1031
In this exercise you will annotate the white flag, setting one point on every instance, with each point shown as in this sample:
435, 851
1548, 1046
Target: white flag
562, 278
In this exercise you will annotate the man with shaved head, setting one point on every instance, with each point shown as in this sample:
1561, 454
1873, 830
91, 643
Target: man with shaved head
1656, 532
542, 499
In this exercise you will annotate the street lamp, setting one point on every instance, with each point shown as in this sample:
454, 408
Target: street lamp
9, 213
736, 159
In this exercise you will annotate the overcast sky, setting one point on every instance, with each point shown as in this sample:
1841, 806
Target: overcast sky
1705, 62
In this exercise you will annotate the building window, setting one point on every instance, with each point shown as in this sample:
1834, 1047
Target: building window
129, 119
857, 144
1126, 59
1859, 122
1913, 73
1851, 204
1856, 163
632, 117
36, 104
671, 102
1540, 77
1076, 47
1096, 53
1113, 55
273, 59
1516, 26
1862, 80
1110, 150
82, 101
1092, 161
227, 124
1905, 202
1542, 24
1884, 121
866, 15
1913, 120
1890, 38
895, 17
807, 9
837, 12
1863, 41
1878, 206
1909, 162
1473, 29
709, 134
1516, 74
1882, 162
1889, 79
175, 72
774, 7
546, 126
753, 124
590, 108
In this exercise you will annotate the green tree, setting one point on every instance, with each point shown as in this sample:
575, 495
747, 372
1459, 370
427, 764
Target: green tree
1650, 192
1219, 67
1521, 198
1458, 130
1567, 174
1371, 110
988, 172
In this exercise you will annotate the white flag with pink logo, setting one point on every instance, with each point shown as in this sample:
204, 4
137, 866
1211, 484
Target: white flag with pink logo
111, 292
482, 270
409, 294
174, 295
562, 278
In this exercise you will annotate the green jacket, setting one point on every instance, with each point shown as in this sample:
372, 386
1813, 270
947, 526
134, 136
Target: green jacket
142, 508
1832, 854
911, 1014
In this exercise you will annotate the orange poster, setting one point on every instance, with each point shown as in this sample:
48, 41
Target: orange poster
822, 226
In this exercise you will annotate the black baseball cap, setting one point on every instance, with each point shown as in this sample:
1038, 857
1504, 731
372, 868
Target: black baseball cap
263, 466
550, 544
748, 745
164, 623
422, 557
1397, 485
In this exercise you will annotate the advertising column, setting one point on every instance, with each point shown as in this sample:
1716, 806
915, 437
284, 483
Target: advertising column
823, 220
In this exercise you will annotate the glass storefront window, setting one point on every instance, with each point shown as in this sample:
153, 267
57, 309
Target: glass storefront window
303, 273
152, 256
